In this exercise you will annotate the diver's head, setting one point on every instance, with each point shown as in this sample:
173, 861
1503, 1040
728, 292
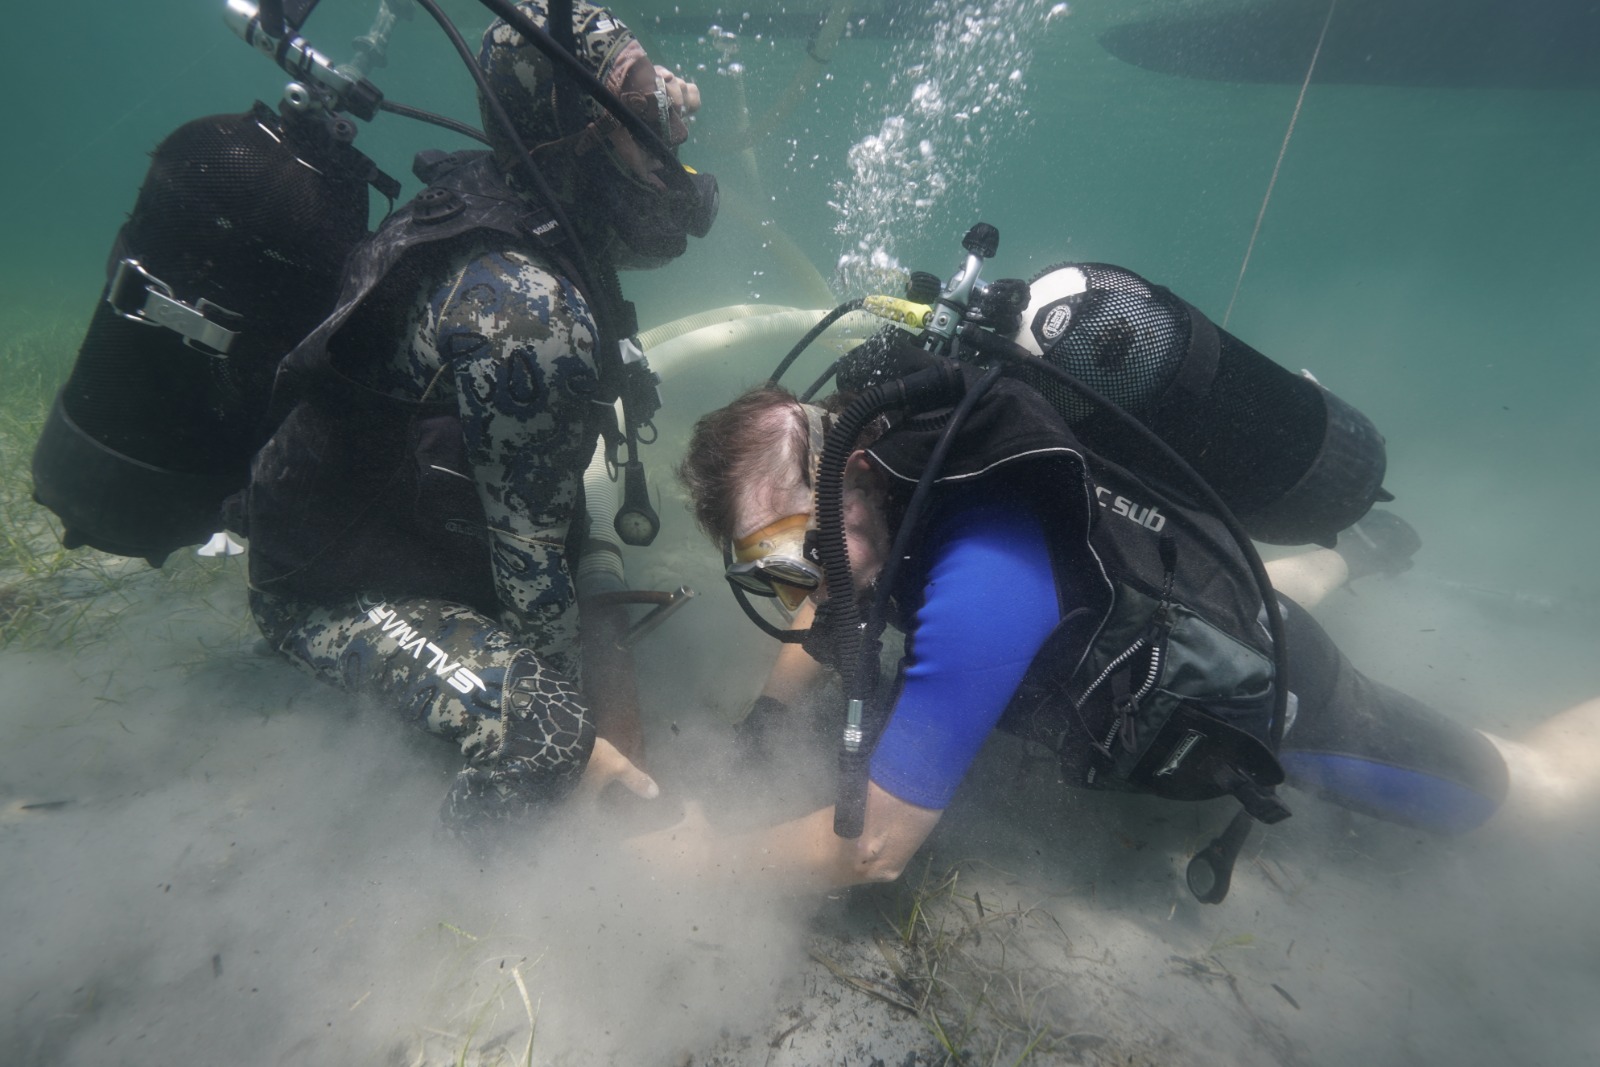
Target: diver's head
614, 189
751, 474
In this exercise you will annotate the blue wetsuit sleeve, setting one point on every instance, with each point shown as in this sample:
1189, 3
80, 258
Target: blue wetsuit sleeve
988, 604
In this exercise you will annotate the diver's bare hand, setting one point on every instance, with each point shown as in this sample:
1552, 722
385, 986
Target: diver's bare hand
680, 91
607, 765
685, 849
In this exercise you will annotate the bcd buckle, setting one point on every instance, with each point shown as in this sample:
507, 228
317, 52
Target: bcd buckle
141, 297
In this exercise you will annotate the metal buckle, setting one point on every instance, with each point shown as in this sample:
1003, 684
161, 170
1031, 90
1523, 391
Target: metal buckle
160, 308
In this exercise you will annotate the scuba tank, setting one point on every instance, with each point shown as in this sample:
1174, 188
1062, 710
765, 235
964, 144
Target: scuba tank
1293, 461
232, 253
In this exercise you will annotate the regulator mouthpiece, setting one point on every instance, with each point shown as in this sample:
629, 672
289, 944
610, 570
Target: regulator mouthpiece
698, 211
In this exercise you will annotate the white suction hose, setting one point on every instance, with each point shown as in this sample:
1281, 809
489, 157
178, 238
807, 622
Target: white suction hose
677, 345
600, 563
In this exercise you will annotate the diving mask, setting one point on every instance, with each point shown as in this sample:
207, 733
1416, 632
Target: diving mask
776, 561
652, 216
780, 559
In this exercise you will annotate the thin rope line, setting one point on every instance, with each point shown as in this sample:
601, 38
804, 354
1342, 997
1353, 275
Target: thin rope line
1282, 151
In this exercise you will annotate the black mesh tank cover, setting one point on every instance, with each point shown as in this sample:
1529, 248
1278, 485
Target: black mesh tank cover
247, 218
231, 211
1293, 462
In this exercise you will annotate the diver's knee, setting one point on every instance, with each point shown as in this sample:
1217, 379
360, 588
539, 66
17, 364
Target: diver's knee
544, 721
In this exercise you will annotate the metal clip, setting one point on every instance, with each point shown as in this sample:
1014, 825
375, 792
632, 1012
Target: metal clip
662, 606
159, 307
658, 615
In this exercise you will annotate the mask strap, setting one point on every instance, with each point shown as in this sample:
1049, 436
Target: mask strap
818, 423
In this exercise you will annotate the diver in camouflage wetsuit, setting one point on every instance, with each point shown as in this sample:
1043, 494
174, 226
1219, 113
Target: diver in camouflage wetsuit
421, 558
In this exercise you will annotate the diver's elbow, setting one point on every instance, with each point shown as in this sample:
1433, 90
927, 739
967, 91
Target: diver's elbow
882, 873
876, 865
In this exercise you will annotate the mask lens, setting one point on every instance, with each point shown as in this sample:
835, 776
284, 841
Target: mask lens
763, 576
771, 562
791, 596
752, 583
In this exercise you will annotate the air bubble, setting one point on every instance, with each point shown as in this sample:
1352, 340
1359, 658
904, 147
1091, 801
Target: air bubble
948, 101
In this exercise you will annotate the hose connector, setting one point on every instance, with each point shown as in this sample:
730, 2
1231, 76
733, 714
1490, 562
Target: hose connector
907, 313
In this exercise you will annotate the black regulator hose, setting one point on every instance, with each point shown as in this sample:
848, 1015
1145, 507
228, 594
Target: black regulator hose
591, 277
940, 385
811, 335
503, 120
815, 387
442, 121
832, 552
1002, 348
933, 387
850, 803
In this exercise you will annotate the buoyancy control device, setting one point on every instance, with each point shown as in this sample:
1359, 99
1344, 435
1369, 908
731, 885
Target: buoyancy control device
1162, 678
1166, 686
357, 517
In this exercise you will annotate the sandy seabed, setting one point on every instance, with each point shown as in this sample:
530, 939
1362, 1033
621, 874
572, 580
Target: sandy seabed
210, 858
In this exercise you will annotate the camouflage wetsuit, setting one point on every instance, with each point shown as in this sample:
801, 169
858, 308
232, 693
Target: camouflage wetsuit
513, 343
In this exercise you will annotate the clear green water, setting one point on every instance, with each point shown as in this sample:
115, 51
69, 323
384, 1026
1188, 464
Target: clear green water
1430, 253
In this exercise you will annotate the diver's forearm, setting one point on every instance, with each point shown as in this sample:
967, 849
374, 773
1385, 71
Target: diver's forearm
795, 674
802, 855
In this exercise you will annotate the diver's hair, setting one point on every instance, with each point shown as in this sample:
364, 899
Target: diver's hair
761, 436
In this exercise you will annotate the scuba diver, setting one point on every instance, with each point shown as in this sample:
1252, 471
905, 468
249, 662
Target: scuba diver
1116, 614
415, 519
